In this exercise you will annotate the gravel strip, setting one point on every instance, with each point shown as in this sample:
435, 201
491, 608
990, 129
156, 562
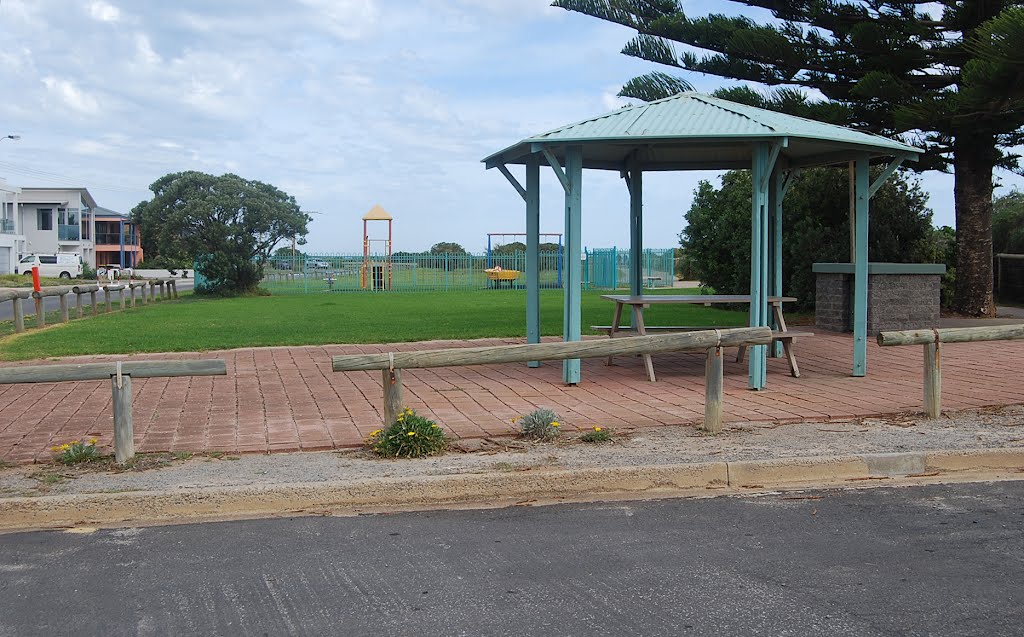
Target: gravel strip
974, 429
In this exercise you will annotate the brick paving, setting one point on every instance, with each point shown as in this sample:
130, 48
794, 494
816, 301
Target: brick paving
287, 398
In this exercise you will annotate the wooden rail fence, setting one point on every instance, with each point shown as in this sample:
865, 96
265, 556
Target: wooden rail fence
711, 341
120, 375
932, 341
168, 289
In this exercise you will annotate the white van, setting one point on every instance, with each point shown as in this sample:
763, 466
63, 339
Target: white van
66, 265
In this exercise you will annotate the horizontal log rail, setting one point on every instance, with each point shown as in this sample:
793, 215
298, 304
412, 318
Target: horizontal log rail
711, 341
17, 295
120, 375
952, 335
932, 341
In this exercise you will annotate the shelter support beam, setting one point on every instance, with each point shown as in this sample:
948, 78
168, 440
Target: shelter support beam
557, 168
761, 169
860, 268
776, 193
635, 181
503, 169
889, 170
572, 284
533, 252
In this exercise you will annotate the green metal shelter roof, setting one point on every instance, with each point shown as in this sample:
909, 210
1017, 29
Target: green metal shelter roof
691, 131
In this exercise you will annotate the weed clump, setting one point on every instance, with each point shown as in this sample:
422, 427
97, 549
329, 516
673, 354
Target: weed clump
410, 436
540, 424
76, 452
597, 434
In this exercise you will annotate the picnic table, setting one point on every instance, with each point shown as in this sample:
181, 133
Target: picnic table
637, 304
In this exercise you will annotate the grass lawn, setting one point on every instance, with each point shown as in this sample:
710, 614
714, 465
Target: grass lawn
198, 324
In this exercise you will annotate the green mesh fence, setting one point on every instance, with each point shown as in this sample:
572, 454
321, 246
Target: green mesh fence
313, 273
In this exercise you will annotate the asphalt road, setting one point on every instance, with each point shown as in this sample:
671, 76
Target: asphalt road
52, 303
937, 560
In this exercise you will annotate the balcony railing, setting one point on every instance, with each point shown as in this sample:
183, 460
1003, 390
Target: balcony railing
67, 232
6, 226
114, 239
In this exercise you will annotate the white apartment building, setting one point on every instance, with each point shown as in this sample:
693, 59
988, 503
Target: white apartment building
45, 221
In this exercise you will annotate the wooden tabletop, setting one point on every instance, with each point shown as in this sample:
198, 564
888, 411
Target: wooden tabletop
651, 299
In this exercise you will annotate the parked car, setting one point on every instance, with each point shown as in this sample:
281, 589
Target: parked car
65, 265
317, 264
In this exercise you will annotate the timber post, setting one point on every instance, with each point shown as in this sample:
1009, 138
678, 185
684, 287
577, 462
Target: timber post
64, 318
392, 395
713, 381
124, 426
19, 315
932, 339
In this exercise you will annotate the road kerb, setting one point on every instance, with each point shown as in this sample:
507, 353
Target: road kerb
500, 488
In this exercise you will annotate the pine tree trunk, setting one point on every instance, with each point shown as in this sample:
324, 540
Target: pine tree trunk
972, 193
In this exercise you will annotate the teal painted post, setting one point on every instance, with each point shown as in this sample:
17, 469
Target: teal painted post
615, 269
758, 262
636, 229
860, 271
573, 226
533, 252
775, 196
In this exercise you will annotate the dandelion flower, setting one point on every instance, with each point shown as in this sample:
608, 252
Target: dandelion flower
375, 432
411, 433
555, 423
597, 429
92, 441
434, 427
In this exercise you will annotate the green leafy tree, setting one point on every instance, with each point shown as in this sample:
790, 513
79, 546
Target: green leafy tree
952, 82
447, 247
1008, 223
716, 240
228, 225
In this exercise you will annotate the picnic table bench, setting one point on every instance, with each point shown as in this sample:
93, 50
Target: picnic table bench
782, 334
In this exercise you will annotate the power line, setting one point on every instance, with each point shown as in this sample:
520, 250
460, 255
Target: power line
65, 180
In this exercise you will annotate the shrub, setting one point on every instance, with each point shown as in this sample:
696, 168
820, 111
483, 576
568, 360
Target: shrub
597, 434
540, 424
410, 436
75, 452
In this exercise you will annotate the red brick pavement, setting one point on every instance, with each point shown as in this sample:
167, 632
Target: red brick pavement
287, 398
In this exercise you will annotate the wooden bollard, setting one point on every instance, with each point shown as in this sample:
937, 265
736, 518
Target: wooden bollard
392, 396
162, 285
106, 298
40, 313
64, 318
19, 315
152, 291
713, 379
932, 380
92, 301
142, 287
174, 288
120, 296
124, 427
131, 290
78, 304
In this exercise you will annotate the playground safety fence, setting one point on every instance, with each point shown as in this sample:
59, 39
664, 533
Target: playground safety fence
315, 273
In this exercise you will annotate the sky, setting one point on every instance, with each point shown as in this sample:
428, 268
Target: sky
344, 104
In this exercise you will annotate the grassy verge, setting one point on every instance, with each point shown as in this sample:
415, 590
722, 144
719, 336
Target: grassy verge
25, 281
200, 324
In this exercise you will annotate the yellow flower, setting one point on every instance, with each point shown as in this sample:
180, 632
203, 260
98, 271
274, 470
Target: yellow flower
597, 429
408, 411
65, 447
555, 423
55, 448
375, 432
434, 426
412, 433
74, 442
92, 441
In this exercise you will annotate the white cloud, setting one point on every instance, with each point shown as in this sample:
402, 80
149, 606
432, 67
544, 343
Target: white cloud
104, 11
145, 51
346, 19
71, 95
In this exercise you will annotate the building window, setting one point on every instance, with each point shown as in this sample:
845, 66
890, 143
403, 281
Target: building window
44, 218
